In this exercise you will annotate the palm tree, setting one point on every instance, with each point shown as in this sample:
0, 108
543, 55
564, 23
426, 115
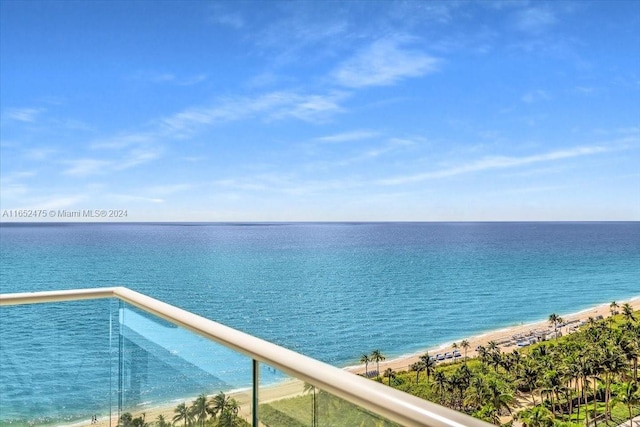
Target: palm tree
627, 312
162, 422
182, 413
551, 387
594, 368
217, 404
493, 353
440, 380
627, 394
614, 308
428, 364
417, 367
198, 409
365, 359
555, 320
613, 363
528, 376
489, 414
477, 393
483, 354
229, 414
498, 397
139, 421
126, 420
377, 356
390, 373
463, 379
631, 352
465, 345
537, 416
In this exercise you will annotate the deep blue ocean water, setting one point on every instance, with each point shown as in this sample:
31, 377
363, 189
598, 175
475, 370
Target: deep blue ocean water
329, 290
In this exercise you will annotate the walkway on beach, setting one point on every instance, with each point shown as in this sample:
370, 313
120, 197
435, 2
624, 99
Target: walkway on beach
636, 422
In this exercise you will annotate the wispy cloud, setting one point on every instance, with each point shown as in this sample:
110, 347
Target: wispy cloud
387, 148
27, 115
169, 189
356, 135
56, 201
86, 166
13, 185
535, 19
531, 189
305, 34
536, 96
124, 140
497, 162
222, 16
169, 78
270, 106
137, 157
285, 184
122, 160
384, 63
134, 198
40, 153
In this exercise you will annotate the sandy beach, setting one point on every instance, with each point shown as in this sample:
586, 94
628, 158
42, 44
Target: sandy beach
505, 338
289, 388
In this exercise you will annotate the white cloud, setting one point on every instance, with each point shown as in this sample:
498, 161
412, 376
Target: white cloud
270, 106
191, 80
534, 19
310, 108
160, 77
137, 157
535, 96
12, 185
57, 202
132, 198
40, 154
27, 115
86, 167
169, 189
356, 135
123, 141
384, 63
496, 162
225, 17
126, 159
305, 34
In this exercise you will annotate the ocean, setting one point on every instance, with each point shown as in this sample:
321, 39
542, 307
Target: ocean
332, 291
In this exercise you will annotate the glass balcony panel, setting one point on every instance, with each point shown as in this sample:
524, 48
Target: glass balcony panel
57, 363
165, 368
288, 402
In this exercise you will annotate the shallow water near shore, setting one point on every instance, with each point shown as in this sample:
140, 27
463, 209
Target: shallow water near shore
329, 290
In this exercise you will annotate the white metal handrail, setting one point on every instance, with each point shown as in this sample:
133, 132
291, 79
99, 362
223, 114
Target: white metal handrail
385, 401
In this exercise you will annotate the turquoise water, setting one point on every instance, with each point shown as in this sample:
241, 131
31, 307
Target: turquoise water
331, 291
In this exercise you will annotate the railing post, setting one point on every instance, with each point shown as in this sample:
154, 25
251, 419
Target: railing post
256, 385
121, 359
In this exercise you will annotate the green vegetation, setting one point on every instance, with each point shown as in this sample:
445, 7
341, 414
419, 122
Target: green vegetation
329, 411
218, 411
587, 378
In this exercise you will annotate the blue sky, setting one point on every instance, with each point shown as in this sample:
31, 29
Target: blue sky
322, 111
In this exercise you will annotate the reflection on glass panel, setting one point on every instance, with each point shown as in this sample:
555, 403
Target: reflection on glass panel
56, 362
293, 403
170, 374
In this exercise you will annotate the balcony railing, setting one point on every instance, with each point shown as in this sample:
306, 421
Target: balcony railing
140, 344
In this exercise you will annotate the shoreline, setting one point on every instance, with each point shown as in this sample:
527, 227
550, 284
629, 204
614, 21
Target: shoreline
293, 387
503, 336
